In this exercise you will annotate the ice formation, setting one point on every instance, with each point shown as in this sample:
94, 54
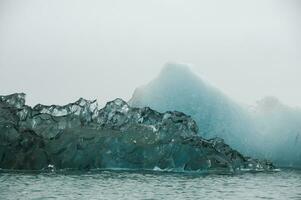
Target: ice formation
81, 136
280, 128
273, 135
178, 88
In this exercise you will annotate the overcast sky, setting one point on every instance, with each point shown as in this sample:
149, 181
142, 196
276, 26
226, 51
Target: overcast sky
59, 50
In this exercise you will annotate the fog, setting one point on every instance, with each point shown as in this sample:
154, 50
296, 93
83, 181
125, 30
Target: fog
59, 50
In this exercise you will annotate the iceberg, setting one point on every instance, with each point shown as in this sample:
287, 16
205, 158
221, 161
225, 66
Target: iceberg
178, 88
270, 130
280, 129
79, 135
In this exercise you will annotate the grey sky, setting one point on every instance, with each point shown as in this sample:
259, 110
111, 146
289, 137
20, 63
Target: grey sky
59, 50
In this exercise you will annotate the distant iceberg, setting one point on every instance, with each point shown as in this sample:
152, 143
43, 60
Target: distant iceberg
280, 128
274, 136
178, 88
81, 136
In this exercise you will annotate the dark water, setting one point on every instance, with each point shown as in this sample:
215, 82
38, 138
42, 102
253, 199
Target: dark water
283, 185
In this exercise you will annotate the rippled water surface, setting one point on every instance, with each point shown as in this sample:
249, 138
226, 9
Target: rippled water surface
285, 184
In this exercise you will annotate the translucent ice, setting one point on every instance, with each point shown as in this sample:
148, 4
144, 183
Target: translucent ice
81, 136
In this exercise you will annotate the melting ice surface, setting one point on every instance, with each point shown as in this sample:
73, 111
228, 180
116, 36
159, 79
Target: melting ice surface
270, 130
118, 136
